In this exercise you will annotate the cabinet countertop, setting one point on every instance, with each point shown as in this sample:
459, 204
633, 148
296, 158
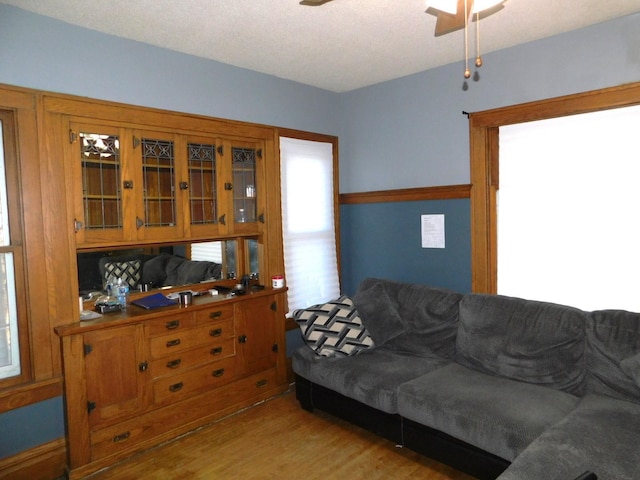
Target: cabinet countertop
135, 314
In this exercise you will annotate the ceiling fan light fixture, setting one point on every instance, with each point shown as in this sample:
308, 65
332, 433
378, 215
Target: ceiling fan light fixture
447, 6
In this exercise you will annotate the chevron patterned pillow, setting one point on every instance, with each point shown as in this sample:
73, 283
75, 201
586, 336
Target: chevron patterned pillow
333, 328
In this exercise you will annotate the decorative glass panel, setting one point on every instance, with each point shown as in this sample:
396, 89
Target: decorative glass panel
100, 157
202, 183
244, 184
158, 167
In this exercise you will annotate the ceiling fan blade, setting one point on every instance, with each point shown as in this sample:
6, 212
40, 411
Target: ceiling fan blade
448, 23
314, 3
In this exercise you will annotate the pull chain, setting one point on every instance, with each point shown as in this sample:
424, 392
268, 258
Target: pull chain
467, 72
478, 57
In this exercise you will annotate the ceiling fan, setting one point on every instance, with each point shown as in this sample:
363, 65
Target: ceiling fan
451, 14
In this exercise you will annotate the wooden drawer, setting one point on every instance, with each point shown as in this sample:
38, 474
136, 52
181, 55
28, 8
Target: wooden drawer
177, 387
143, 430
216, 350
180, 341
219, 312
170, 324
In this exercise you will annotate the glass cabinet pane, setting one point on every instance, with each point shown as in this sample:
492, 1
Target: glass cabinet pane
159, 196
101, 195
244, 184
202, 183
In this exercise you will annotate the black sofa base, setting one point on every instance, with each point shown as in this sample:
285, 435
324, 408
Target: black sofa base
419, 438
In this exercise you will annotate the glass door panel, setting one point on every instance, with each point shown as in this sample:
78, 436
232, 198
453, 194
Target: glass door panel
203, 203
101, 195
158, 173
244, 184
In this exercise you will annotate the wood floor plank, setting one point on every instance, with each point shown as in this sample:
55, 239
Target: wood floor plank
278, 440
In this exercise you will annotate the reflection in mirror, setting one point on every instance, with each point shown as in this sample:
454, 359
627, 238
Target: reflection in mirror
145, 268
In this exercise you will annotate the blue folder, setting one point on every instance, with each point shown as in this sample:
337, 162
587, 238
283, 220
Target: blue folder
156, 300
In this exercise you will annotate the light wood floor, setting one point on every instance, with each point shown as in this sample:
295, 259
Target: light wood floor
278, 440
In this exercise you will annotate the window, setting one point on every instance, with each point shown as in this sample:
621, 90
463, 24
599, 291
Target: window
12, 330
308, 221
487, 189
568, 205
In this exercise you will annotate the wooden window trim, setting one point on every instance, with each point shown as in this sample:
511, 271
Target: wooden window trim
484, 155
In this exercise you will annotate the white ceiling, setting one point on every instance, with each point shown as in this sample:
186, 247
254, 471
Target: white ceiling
340, 46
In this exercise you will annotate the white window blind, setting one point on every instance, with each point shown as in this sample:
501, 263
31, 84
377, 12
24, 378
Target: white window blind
308, 223
569, 210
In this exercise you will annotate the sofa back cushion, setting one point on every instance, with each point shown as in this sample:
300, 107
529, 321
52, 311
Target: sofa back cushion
613, 354
526, 340
411, 318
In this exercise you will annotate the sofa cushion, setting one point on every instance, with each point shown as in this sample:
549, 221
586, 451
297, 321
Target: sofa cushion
333, 328
498, 415
413, 318
600, 434
379, 310
129, 271
612, 354
371, 378
535, 342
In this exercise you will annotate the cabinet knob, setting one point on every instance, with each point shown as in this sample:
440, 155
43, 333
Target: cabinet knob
216, 332
143, 366
174, 363
176, 387
122, 437
172, 325
242, 339
127, 184
184, 186
216, 351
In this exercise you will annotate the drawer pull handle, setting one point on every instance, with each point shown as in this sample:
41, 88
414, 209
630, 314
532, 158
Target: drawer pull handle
216, 351
218, 373
216, 314
122, 437
174, 363
173, 343
176, 387
261, 383
172, 325
216, 332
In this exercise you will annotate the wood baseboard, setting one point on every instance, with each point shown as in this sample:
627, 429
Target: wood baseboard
44, 462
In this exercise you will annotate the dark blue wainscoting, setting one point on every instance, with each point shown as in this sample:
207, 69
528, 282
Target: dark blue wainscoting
384, 240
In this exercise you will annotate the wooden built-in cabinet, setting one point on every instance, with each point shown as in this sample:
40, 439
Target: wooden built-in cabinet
125, 177
135, 379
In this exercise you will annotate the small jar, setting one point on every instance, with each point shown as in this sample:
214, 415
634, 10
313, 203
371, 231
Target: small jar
277, 281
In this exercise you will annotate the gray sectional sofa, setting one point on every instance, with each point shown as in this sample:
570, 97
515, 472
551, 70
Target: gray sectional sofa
495, 386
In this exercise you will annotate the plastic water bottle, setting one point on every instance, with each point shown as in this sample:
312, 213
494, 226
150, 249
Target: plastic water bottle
110, 286
122, 292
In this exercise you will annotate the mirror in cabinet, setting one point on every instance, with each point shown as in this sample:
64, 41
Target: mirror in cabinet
151, 267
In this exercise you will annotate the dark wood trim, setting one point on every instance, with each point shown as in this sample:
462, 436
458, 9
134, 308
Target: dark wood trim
23, 395
43, 462
484, 143
446, 192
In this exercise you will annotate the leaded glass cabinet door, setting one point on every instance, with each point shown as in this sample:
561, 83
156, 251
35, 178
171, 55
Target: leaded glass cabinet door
247, 208
157, 215
204, 212
96, 155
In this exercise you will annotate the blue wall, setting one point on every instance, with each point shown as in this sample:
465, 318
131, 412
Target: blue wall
404, 133
384, 240
29, 426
